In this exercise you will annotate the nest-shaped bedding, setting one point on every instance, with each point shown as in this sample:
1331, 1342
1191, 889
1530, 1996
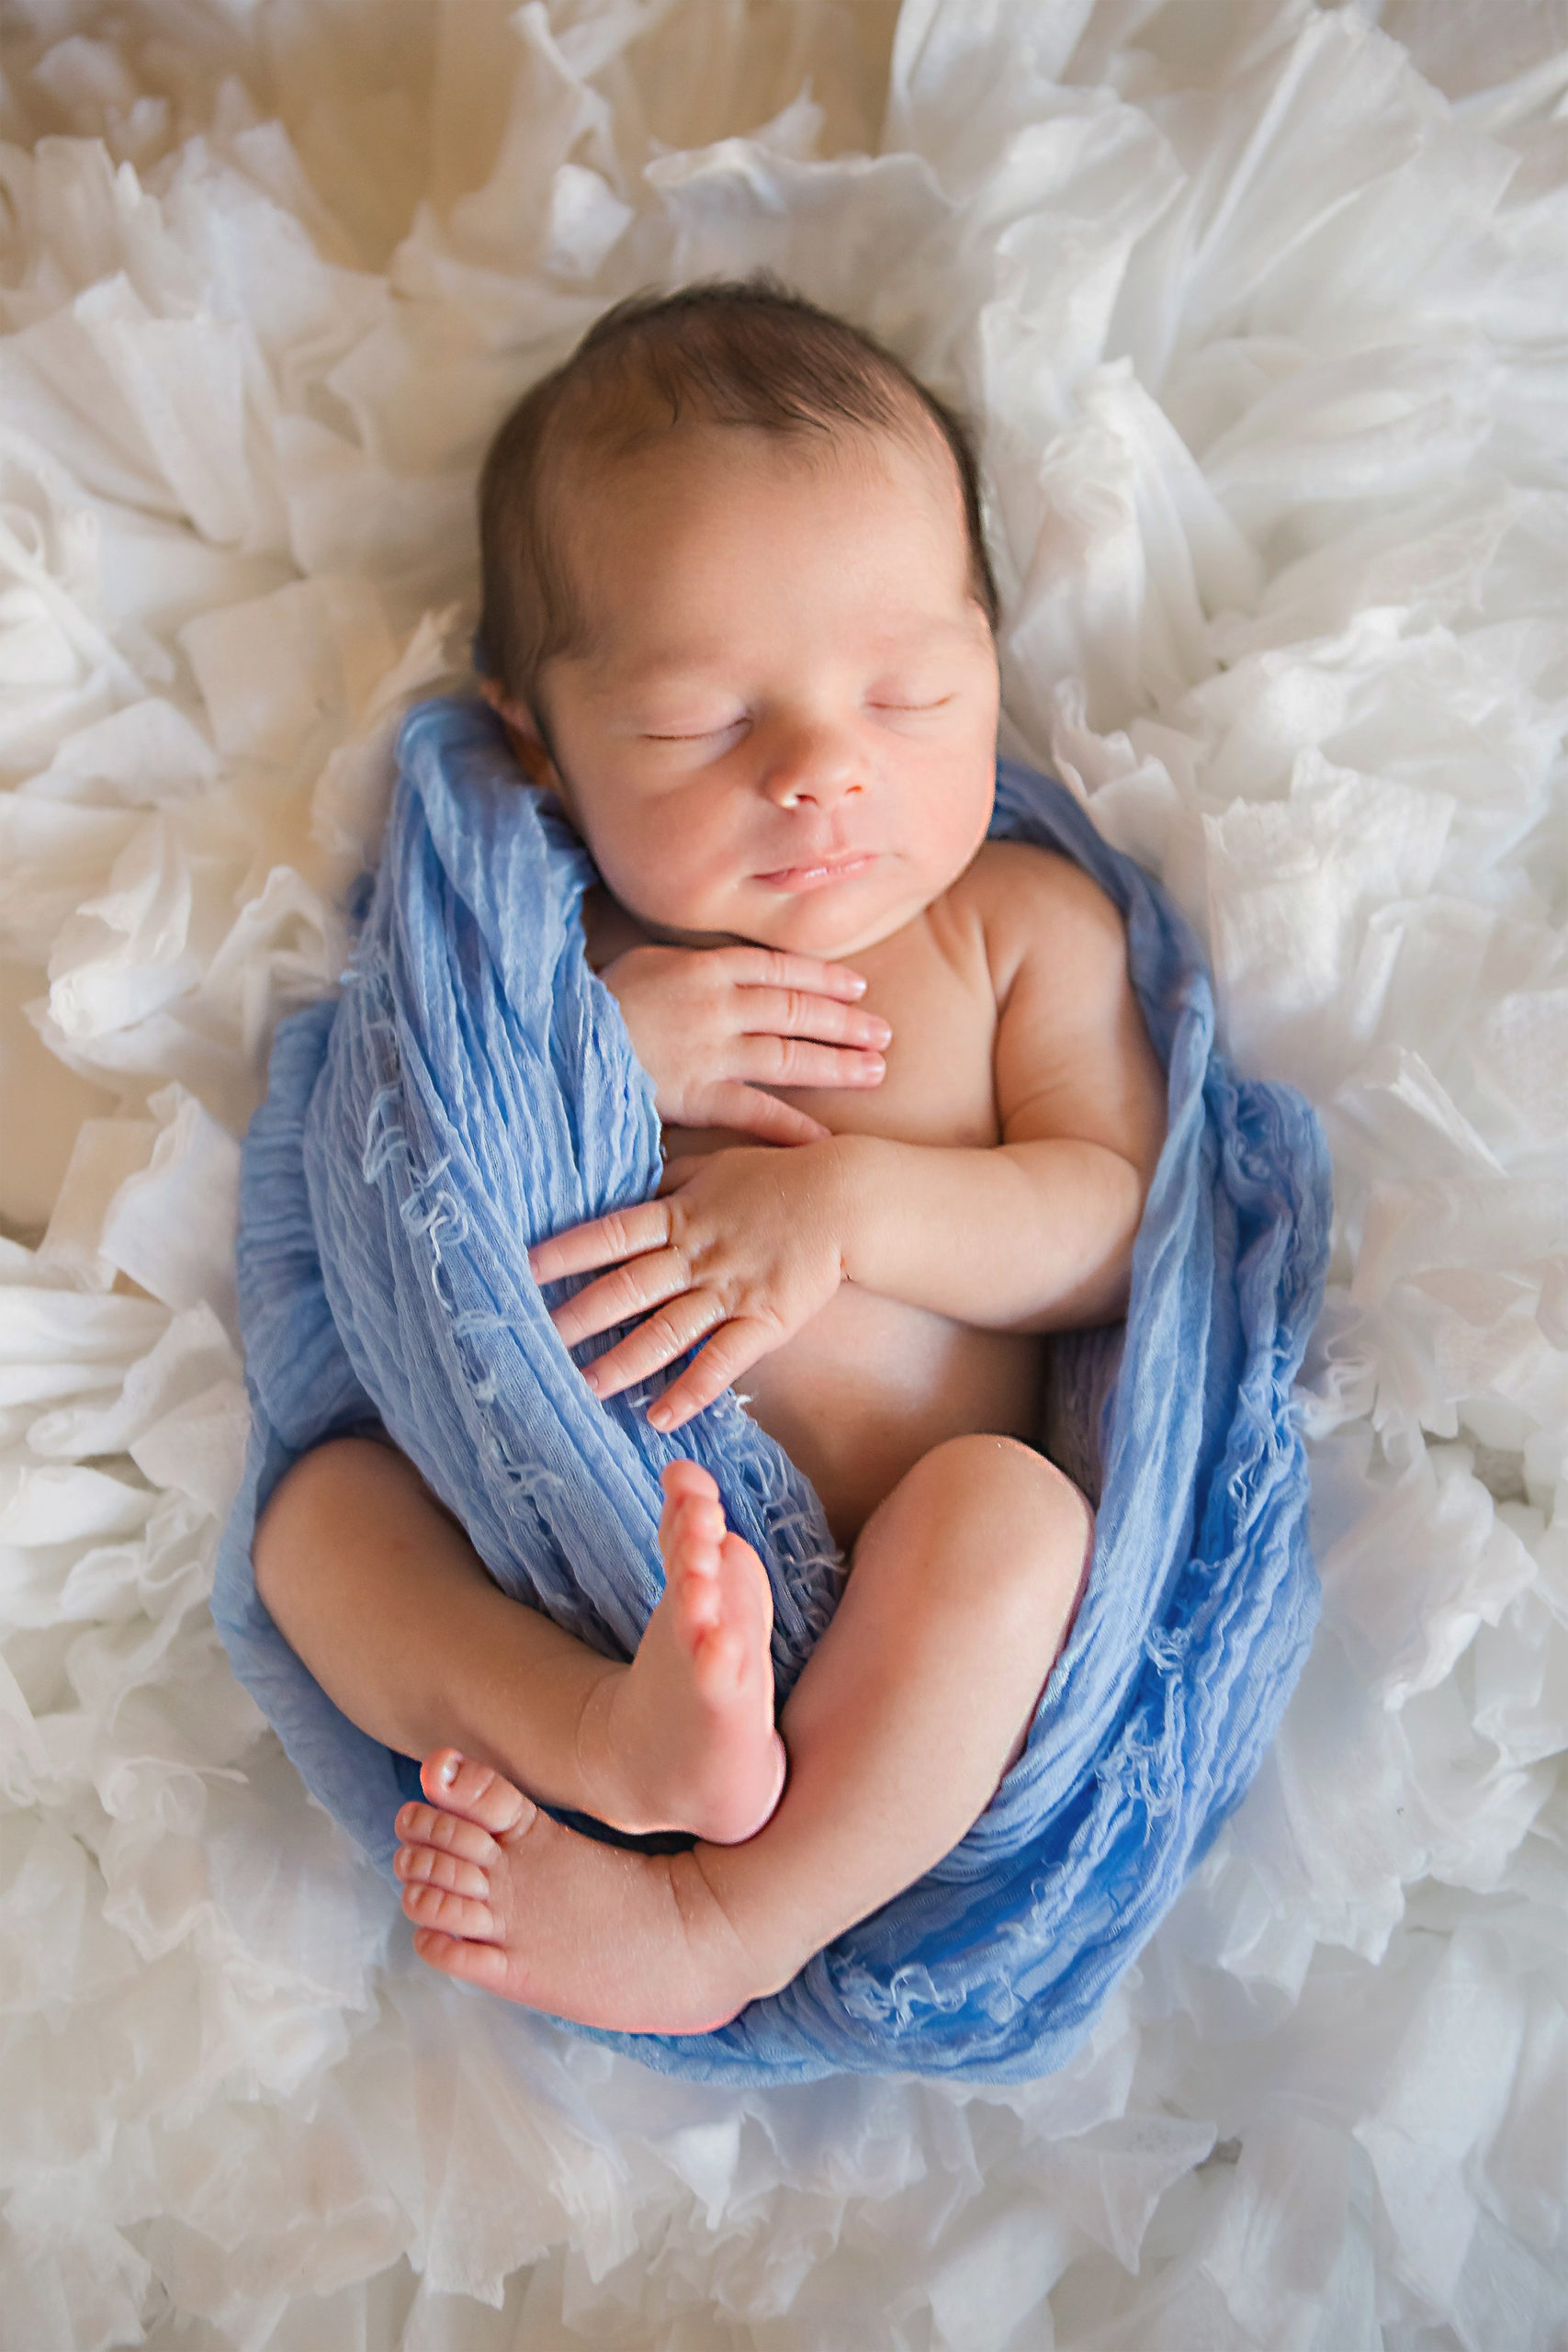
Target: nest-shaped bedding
473, 1089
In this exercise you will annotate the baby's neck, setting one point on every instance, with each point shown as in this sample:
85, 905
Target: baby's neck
607, 928
612, 930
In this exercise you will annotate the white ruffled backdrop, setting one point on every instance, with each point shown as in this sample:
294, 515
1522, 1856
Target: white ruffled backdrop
1260, 309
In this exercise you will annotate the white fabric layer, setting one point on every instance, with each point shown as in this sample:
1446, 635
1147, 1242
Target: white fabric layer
1260, 310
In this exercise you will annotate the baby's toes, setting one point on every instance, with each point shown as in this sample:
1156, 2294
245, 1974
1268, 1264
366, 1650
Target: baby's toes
718, 1662
475, 1794
482, 1964
695, 1598
454, 1915
434, 1867
690, 1529
430, 1825
685, 1477
747, 1596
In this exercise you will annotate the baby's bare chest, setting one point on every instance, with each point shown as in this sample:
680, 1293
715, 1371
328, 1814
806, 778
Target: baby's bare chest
871, 1384
931, 983
932, 986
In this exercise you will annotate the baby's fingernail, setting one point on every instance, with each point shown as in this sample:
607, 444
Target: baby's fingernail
592, 1376
857, 983
882, 1033
874, 1067
661, 1415
448, 1772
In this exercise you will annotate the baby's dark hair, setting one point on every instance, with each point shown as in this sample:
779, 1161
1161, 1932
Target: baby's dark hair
724, 352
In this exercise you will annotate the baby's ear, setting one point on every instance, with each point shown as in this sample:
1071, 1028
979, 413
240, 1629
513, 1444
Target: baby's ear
522, 734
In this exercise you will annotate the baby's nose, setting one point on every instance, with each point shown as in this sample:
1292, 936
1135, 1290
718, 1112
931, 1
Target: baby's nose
818, 764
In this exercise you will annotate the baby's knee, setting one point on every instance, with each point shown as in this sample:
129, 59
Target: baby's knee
1004, 1474
1030, 1522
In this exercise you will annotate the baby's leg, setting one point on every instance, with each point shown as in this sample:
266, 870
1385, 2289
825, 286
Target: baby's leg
384, 1598
964, 1583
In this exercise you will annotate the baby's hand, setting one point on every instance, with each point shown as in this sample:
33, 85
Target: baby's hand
745, 1247
713, 1025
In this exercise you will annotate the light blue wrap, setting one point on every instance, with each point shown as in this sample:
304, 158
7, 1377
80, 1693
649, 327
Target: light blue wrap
473, 1089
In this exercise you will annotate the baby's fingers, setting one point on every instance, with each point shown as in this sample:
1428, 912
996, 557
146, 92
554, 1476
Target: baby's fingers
619, 1297
734, 1348
799, 1061
801, 976
805, 1013
603, 1241
655, 1343
749, 1111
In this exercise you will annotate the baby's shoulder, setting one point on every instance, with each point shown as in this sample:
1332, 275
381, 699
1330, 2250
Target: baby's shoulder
1033, 903
1009, 872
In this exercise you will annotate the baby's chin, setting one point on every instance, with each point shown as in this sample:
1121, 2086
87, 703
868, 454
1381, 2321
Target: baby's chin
837, 933
830, 923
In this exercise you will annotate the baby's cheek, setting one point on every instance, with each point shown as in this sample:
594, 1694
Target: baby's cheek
672, 875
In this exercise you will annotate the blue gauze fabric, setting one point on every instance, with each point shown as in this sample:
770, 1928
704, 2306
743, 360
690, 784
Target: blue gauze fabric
473, 1089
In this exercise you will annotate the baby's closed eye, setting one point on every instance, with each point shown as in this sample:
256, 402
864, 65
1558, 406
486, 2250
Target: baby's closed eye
911, 691
696, 731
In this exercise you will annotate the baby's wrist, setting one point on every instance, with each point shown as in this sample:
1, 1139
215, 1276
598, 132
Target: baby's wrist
852, 1162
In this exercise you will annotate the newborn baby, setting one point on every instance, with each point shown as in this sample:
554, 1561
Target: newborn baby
738, 619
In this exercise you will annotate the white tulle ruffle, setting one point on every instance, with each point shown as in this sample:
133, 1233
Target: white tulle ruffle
1259, 310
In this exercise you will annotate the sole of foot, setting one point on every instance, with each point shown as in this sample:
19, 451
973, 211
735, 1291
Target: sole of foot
504, 1898
689, 1727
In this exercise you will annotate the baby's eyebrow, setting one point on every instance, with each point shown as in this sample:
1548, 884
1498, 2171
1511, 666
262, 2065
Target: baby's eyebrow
696, 666
608, 673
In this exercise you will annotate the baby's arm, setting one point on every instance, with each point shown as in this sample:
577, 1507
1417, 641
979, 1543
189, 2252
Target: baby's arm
1036, 1233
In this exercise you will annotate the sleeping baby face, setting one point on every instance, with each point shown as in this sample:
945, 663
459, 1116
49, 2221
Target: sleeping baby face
783, 728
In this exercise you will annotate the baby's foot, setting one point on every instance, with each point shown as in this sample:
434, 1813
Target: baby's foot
684, 1739
507, 1899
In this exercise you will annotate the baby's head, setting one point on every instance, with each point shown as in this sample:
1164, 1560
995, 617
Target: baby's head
738, 614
